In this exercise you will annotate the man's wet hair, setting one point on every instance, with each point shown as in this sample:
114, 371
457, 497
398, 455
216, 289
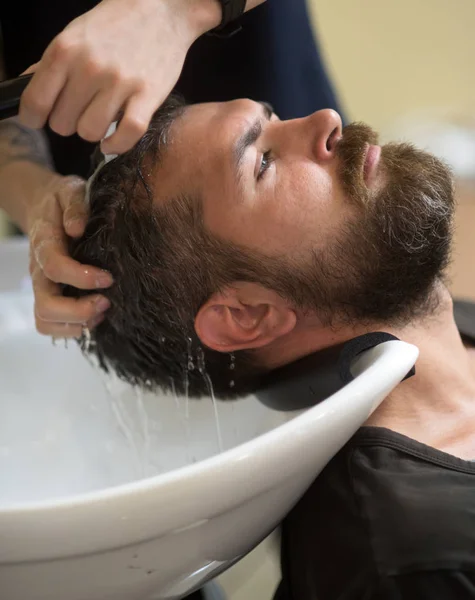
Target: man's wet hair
165, 266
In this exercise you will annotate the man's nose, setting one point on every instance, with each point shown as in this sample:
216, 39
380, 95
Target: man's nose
325, 127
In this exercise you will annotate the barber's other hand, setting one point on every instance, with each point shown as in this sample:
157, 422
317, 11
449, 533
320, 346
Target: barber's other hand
123, 56
59, 211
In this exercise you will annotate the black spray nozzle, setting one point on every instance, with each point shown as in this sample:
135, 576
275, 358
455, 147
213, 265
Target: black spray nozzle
10, 94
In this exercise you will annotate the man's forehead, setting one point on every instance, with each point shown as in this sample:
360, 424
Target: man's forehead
205, 133
201, 147
231, 114
186, 161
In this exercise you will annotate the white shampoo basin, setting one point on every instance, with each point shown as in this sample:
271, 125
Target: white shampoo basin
132, 499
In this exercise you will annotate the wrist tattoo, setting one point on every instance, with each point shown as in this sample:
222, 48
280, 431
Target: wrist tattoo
19, 143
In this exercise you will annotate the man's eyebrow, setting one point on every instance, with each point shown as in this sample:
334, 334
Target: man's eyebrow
268, 109
249, 138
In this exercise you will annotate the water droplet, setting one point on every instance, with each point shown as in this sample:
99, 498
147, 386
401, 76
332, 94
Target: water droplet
53, 341
66, 343
175, 395
86, 338
231, 383
187, 398
191, 365
124, 423
144, 422
232, 366
163, 339
200, 358
209, 385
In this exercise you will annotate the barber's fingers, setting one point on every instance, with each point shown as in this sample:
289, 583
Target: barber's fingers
52, 307
59, 316
61, 268
58, 330
41, 93
78, 91
71, 197
101, 112
65, 330
57, 309
53, 311
50, 252
137, 115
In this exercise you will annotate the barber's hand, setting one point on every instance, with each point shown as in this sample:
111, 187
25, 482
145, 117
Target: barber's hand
123, 56
59, 211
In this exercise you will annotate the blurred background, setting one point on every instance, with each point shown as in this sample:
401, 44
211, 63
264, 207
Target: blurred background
389, 59
406, 68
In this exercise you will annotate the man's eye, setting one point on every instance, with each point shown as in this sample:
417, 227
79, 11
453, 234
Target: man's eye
266, 162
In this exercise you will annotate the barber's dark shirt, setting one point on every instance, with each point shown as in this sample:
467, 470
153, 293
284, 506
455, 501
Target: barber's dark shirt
388, 519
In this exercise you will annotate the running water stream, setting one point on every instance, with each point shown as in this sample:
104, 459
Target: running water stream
145, 425
202, 370
125, 425
123, 406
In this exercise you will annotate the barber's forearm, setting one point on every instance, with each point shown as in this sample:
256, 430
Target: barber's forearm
25, 166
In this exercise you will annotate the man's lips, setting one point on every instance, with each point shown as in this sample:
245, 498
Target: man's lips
371, 162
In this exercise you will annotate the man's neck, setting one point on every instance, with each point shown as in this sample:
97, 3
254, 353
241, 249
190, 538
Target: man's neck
437, 406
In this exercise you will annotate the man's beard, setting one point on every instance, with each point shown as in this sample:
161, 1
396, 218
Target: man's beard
383, 265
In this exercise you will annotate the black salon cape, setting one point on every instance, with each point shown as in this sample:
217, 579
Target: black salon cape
274, 58
388, 519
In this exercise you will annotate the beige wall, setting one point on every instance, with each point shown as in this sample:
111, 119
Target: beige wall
388, 57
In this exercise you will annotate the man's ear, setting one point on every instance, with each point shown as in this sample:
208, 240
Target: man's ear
245, 315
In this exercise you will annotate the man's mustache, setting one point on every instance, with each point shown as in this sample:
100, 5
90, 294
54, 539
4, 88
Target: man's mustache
351, 152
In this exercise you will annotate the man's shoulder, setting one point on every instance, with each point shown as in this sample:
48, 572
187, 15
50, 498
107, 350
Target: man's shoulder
405, 494
394, 494
384, 508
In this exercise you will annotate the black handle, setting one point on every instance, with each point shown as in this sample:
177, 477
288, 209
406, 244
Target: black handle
10, 94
